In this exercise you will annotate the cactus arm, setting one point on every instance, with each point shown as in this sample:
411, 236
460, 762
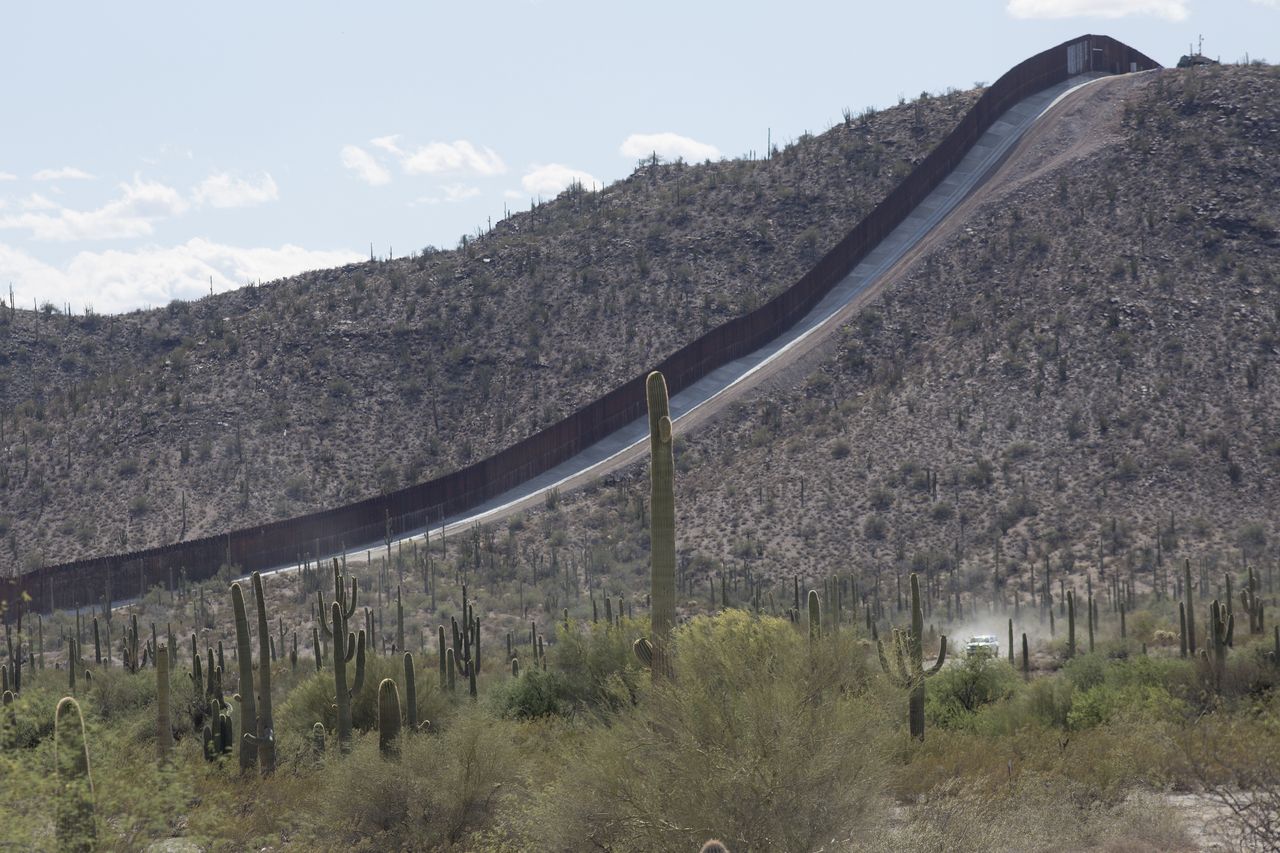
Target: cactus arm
942, 656
320, 618
351, 602
884, 661
359, 682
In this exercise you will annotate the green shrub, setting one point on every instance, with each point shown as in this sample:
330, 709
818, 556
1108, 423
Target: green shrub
957, 692
759, 740
534, 694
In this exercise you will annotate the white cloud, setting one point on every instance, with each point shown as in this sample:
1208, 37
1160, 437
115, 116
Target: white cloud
114, 281
387, 143
35, 201
1172, 10
8, 176
1274, 4
131, 215
66, 173
451, 193
551, 179
459, 156
364, 165
224, 190
668, 146
434, 158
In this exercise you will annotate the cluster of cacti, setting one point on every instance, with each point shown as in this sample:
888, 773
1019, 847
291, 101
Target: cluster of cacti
909, 657
130, 653
74, 822
218, 735
462, 658
662, 529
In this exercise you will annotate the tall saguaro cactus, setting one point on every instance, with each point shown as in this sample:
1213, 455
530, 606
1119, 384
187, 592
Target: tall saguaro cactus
1221, 623
1191, 607
266, 736
909, 656
344, 649
74, 820
662, 521
1071, 624
248, 707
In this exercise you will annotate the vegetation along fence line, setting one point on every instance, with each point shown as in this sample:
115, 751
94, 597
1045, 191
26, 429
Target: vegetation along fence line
265, 546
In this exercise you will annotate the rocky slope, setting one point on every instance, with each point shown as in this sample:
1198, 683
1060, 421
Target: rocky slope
137, 430
1089, 362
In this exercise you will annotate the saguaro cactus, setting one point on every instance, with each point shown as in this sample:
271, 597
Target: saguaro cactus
410, 693
164, 727
266, 735
909, 656
389, 719
1071, 624
74, 820
399, 621
218, 733
317, 738
248, 707
1191, 607
815, 616
1220, 627
662, 521
344, 649
1252, 603
1182, 629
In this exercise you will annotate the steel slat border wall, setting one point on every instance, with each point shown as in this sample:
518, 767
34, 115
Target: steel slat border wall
84, 582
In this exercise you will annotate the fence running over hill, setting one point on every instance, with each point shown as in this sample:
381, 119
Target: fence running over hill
84, 582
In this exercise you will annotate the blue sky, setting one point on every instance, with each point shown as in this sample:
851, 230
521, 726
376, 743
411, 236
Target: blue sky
149, 147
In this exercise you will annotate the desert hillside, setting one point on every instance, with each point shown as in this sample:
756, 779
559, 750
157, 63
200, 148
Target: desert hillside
319, 390
1089, 360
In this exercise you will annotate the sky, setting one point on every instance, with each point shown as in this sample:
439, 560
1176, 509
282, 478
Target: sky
151, 151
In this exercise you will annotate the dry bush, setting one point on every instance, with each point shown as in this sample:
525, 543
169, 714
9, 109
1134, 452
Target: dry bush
761, 740
443, 788
1035, 812
1235, 760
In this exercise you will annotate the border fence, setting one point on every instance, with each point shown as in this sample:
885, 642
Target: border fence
105, 578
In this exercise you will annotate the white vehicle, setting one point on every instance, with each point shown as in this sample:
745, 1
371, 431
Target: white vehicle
983, 644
